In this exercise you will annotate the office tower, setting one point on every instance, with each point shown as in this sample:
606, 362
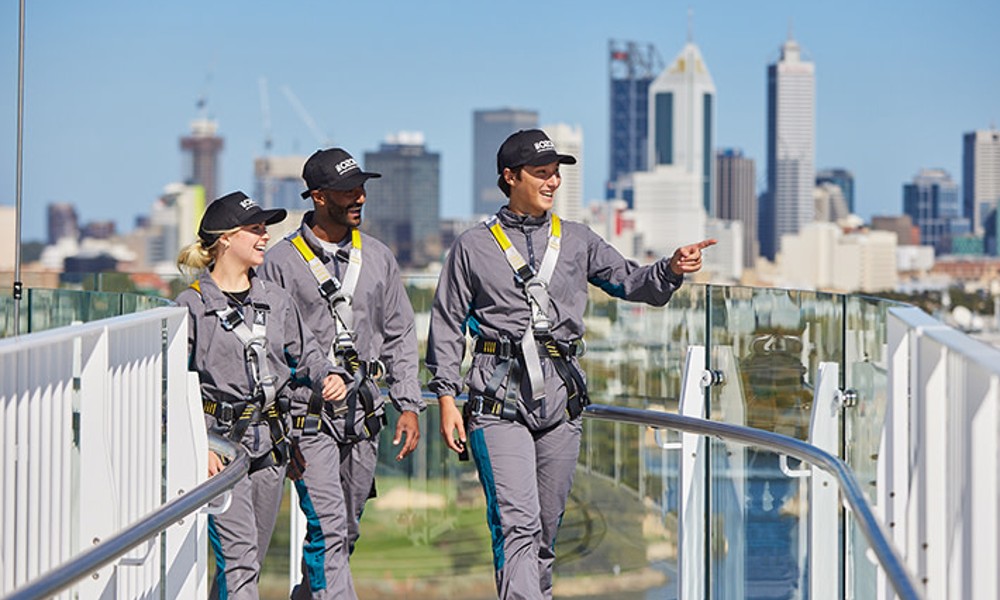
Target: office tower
931, 200
278, 182
667, 208
791, 132
822, 256
829, 203
980, 175
841, 178
489, 129
568, 202
202, 149
173, 222
403, 206
682, 120
736, 197
62, 222
901, 225
99, 230
632, 66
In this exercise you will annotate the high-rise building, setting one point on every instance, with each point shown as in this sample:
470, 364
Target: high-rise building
682, 120
736, 197
901, 225
202, 150
842, 178
791, 143
632, 67
931, 200
173, 223
278, 182
489, 129
568, 202
62, 222
980, 175
403, 206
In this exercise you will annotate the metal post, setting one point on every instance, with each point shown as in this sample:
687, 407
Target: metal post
17, 193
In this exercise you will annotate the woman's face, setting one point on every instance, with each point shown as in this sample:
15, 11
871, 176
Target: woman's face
247, 244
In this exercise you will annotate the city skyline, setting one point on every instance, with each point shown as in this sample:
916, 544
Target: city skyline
109, 90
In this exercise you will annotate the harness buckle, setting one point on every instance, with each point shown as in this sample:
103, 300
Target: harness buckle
231, 319
524, 274
329, 287
505, 348
477, 406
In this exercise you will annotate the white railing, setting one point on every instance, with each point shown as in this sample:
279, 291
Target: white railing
100, 427
939, 460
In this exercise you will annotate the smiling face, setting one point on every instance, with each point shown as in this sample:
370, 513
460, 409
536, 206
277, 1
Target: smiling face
533, 188
337, 211
246, 244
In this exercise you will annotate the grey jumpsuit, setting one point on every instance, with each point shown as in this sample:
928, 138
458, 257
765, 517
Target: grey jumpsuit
333, 499
240, 536
526, 467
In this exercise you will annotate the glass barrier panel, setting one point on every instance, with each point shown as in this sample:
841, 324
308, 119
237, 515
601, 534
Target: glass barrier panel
425, 533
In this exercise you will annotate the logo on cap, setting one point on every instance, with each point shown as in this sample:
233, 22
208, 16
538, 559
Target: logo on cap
543, 145
247, 203
346, 165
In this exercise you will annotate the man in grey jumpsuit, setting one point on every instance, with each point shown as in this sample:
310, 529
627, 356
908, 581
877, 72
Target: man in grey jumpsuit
383, 336
523, 414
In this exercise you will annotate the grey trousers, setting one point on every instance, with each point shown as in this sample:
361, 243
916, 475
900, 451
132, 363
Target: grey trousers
337, 481
526, 477
240, 536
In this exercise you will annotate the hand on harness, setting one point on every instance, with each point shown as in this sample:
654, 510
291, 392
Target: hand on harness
334, 388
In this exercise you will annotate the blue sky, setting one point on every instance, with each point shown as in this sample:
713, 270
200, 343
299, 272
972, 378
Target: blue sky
112, 85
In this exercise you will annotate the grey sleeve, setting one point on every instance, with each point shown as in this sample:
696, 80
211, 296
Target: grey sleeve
623, 278
446, 341
303, 351
399, 346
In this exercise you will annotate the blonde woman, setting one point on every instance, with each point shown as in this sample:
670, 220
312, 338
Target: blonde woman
247, 343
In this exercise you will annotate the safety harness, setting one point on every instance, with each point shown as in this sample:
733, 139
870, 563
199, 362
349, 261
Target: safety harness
263, 400
514, 356
339, 296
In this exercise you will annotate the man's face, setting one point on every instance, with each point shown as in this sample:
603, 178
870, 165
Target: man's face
344, 207
533, 188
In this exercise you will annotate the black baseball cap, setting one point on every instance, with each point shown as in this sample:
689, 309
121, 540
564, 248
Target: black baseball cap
233, 210
529, 147
333, 169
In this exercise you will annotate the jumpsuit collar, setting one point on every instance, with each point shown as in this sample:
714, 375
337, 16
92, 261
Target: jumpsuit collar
305, 229
527, 223
215, 300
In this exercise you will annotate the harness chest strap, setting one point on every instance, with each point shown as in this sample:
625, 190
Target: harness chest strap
536, 292
254, 342
339, 295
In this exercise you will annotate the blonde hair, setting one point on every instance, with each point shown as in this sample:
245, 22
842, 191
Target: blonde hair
196, 257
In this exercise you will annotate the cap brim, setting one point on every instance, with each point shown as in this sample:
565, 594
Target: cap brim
269, 217
563, 159
356, 180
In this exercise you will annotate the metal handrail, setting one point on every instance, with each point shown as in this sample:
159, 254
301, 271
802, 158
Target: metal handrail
93, 559
902, 582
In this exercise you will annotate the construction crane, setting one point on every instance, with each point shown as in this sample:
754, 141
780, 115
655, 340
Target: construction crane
323, 139
264, 170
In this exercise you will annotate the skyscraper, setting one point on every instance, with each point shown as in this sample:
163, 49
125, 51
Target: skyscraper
489, 129
682, 120
791, 148
842, 178
202, 148
62, 222
632, 66
278, 182
568, 202
403, 206
736, 197
931, 200
980, 175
